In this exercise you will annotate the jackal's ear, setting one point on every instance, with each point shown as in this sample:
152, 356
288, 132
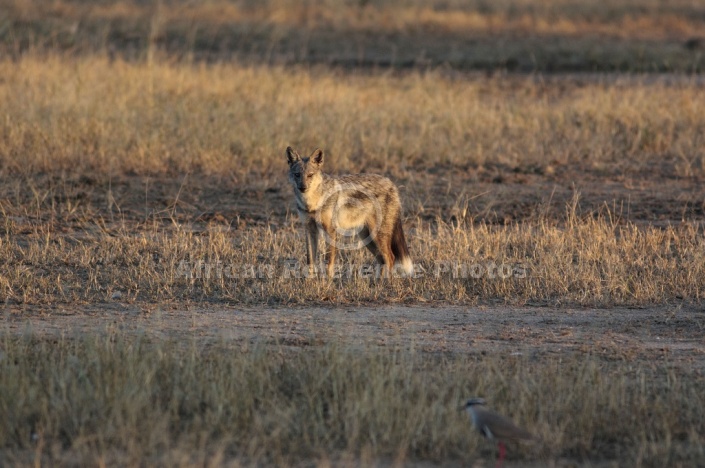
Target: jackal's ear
317, 156
291, 155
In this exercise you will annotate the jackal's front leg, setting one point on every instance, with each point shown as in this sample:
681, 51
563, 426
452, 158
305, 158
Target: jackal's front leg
330, 255
311, 246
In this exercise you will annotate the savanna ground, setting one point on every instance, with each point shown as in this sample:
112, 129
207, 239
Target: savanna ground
152, 309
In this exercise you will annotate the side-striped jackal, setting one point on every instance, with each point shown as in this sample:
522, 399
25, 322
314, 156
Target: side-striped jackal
365, 206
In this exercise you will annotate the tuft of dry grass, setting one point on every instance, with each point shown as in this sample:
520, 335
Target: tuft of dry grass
113, 398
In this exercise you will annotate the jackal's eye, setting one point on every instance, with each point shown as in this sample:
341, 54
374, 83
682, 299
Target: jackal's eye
308, 176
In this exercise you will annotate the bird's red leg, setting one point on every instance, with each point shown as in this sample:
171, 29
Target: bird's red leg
502, 453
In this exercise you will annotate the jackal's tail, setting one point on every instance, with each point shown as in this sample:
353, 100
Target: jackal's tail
402, 259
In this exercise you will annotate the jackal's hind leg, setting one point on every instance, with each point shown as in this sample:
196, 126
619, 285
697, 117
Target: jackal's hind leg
370, 244
383, 245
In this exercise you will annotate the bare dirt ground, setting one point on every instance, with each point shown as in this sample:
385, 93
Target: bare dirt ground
670, 333
495, 194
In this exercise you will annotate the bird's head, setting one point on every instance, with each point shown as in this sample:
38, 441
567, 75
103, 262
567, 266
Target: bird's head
475, 401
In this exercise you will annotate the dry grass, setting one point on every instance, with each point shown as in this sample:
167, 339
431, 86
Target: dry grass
91, 147
92, 123
588, 262
624, 19
118, 399
89, 115
557, 35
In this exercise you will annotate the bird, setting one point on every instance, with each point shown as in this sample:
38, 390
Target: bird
493, 426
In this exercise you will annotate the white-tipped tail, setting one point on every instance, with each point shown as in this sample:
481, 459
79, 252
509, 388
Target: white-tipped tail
401, 251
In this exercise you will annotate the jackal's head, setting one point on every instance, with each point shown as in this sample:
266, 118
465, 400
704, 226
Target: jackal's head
304, 173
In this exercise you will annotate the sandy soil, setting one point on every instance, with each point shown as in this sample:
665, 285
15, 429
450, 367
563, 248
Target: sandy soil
672, 333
